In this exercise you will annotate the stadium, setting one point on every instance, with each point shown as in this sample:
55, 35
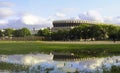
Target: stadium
69, 24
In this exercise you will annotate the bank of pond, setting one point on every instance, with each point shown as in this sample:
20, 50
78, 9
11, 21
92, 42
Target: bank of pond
45, 63
80, 50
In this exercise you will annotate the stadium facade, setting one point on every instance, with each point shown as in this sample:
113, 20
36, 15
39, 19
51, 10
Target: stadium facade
69, 24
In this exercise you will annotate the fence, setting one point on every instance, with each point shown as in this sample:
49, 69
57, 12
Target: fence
29, 38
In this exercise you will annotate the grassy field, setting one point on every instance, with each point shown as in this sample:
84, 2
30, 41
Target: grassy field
98, 48
13, 67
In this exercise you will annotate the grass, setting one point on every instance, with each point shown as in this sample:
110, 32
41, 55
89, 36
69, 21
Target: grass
13, 67
114, 69
89, 49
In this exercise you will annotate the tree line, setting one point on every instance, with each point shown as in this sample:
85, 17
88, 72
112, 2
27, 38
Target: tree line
9, 32
84, 32
81, 32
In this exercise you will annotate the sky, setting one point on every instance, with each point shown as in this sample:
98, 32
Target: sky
41, 13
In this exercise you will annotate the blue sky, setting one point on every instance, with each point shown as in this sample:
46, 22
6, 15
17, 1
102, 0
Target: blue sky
49, 7
43, 12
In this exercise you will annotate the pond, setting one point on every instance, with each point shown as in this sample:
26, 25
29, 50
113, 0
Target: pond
44, 63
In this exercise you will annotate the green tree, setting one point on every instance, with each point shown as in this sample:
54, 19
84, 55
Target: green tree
60, 35
24, 32
45, 33
17, 33
40, 33
65, 35
113, 32
75, 33
85, 31
8, 32
97, 32
21, 32
118, 37
1, 33
57, 35
104, 34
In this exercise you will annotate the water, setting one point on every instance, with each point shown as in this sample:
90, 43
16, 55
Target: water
42, 63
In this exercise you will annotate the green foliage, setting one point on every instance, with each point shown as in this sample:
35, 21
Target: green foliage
87, 31
114, 69
1, 33
113, 32
22, 32
25, 32
13, 67
45, 32
60, 35
75, 33
40, 33
8, 32
82, 32
17, 33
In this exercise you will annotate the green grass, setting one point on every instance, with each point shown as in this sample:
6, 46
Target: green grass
114, 69
13, 67
24, 47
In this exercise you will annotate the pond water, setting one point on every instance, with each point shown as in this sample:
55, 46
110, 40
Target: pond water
44, 63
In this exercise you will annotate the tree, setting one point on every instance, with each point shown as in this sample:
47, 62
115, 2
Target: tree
22, 32
25, 32
85, 31
1, 33
45, 33
104, 30
75, 33
118, 37
8, 32
65, 35
40, 33
17, 33
98, 32
113, 32
57, 35
60, 35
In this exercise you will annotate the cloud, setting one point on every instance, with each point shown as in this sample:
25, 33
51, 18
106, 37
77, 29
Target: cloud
30, 19
3, 22
60, 15
27, 20
91, 15
6, 4
113, 20
6, 12
10, 19
94, 15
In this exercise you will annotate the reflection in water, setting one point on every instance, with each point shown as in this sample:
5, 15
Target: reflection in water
43, 63
28, 59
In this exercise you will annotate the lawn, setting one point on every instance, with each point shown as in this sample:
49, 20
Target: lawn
85, 49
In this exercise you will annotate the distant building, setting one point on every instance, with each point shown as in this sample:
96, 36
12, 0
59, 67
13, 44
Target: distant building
69, 24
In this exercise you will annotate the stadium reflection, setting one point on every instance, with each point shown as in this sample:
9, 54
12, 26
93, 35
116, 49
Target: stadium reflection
42, 63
